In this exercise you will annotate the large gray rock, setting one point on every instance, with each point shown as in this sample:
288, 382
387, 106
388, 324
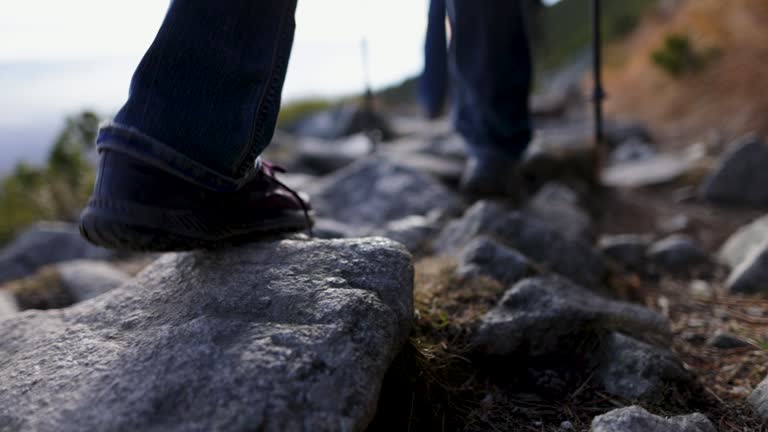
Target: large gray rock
636, 370
288, 336
85, 279
544, 315
45, 243
751, 276
743, 242
740, 178
636, 419
572, 258
485, 257
375, 191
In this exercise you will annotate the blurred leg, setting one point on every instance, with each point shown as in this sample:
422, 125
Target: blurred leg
491, 65
433, 85
205, 98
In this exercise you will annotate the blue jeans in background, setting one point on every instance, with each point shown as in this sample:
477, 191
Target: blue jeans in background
204, 100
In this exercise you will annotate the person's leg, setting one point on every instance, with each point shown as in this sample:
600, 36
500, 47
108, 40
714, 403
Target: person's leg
491, 66
178, 163
433, 84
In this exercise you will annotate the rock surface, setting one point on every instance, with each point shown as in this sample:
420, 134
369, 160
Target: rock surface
647, 172
759, 399
636, 370
45, 243
85, 279
542, 315
390, 192
485, 257
637, 419
294, 335
743, 242
572, 258
740, 178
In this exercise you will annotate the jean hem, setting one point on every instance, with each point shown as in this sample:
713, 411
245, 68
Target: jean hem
132, 142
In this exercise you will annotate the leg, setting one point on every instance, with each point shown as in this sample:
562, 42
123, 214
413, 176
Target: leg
177, 167
433, 85
491, 65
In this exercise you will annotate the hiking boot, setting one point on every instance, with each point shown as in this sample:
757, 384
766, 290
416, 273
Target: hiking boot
138, 207
496, 176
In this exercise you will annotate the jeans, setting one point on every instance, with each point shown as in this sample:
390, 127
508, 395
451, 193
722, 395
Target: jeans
204, 100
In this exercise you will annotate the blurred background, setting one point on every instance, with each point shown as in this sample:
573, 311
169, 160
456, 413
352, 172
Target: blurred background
667, 61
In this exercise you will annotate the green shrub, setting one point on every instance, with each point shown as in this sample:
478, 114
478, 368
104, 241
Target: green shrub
57, 190
678, 57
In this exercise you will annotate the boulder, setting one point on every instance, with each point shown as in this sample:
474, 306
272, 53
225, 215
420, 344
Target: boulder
636, 370
628, 250
292, 335
559, 206
751, 276
740, 177
485, 257
545, 315
743, 242
637, 419
569, 257
389, 192
85, 279
46, 243
676, 254
759, 399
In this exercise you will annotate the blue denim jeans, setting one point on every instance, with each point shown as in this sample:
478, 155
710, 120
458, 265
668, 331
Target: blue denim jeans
204, 100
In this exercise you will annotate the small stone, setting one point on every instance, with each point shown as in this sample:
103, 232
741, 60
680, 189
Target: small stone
741, 244
46, 243
674, 224
725, 340
85, 279
8, 305
677, 254
655, 170
558, 206
489, 258
637, 419
740, 177
567, 426
694, 338
751, 276
636, 370
701, 289
539, 242
626, 249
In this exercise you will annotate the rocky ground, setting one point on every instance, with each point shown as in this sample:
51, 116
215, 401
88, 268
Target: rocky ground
633, 302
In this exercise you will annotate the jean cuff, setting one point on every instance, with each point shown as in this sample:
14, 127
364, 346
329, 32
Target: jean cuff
132, 142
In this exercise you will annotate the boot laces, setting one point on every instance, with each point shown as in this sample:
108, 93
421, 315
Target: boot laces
270, 170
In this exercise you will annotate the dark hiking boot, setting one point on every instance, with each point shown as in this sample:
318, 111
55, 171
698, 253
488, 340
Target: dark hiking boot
492, 177
138, 207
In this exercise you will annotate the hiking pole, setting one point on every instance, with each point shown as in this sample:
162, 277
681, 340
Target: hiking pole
598, 94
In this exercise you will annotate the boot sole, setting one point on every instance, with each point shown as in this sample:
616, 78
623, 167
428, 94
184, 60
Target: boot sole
134, 227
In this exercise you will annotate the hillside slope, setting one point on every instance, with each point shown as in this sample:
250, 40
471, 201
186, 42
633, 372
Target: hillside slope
727, 95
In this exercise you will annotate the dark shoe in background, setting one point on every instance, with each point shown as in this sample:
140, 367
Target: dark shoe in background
138, 207
493, 176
